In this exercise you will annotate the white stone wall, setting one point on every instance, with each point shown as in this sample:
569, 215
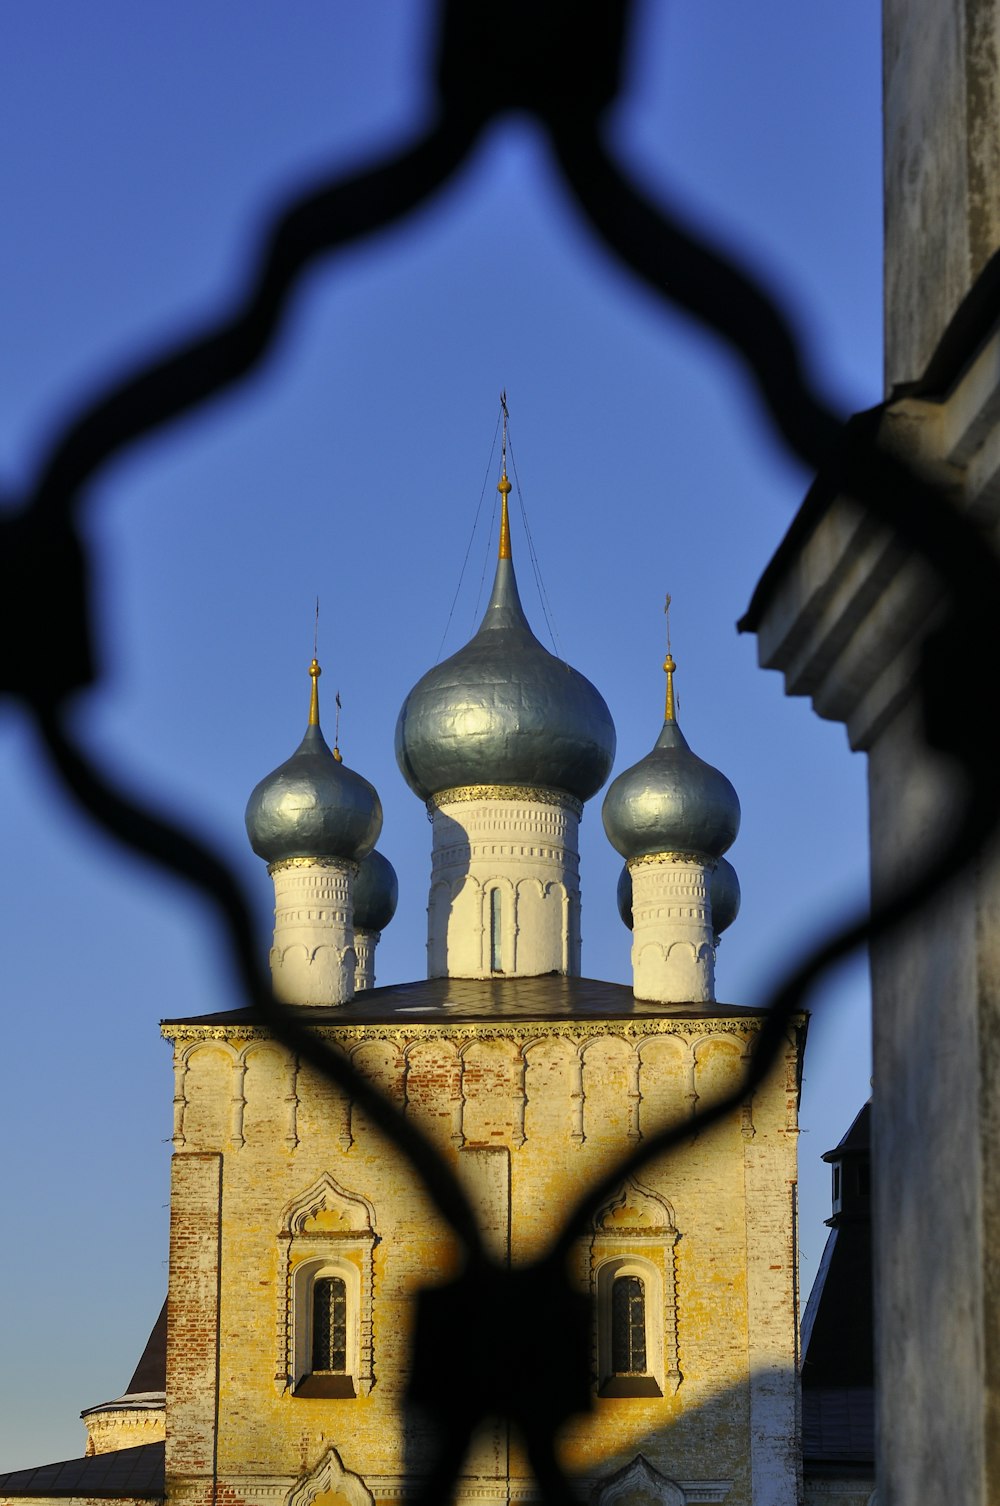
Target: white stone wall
673, 952
365, 943
526, 849
313, 959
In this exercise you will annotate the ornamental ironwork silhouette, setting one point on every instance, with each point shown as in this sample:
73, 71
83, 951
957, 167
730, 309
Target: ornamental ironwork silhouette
561, 62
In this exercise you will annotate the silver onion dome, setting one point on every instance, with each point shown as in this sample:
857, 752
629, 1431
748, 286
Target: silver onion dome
724, 896
503, 710
313, 806
671, 800
376, 893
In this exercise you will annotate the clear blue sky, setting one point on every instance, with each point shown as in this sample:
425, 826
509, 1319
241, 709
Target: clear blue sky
141, 149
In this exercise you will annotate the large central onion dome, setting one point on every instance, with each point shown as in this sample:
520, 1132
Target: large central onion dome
313, 806
503, 710
671, 800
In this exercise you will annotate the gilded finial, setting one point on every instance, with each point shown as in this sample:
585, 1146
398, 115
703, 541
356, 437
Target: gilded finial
503, 487
315, 672
669, 666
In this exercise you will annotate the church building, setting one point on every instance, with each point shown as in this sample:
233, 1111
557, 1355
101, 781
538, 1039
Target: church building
300, 1236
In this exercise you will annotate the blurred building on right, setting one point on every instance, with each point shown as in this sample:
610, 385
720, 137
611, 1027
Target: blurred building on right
842, 611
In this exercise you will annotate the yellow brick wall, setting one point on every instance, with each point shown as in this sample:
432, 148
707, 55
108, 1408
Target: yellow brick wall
529, 1115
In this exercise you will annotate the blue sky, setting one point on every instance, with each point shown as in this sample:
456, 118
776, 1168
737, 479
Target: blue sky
143, 148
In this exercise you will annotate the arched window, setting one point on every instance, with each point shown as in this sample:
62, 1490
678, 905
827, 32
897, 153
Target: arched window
628, 1326
329, 1325
496, 955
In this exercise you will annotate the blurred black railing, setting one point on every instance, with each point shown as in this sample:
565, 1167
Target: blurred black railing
560, 61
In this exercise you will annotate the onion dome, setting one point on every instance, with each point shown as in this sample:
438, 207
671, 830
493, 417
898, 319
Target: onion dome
503, 710
313, 805
723, 893
671, 800
376, 892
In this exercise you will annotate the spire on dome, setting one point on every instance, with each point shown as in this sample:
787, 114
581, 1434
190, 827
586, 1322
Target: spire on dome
315, 672
503, 711
669, 667
503, 487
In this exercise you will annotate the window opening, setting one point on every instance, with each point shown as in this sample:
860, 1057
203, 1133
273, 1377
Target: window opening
495, 903
329, 1337
628, 1326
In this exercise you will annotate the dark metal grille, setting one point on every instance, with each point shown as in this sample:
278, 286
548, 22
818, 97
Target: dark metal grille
329, 1316
628, 1326
559, 61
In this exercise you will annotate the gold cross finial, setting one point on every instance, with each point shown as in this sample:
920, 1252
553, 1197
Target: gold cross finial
669, 667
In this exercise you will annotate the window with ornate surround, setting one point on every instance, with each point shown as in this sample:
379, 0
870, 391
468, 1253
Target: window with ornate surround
633, 1282
326, 1293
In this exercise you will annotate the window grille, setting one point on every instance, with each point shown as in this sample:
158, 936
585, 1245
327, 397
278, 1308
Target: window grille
628, 1326
329, 1318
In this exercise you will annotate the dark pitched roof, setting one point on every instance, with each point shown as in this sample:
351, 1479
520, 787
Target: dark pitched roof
126, 1472
552, 997
838, 1351
151, 1371
858, 1139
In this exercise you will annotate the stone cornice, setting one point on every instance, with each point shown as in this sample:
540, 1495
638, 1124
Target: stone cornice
844, 605
692, 1027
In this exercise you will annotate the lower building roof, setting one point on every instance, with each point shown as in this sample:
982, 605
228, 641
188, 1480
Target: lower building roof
129, 1473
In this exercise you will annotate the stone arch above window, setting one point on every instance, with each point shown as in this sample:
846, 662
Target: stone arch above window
330, 1478
639, 1484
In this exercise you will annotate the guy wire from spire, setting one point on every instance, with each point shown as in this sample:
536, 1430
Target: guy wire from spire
536, 568
472, 535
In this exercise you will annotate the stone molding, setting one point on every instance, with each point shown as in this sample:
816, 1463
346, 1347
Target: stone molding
511, 793
519, 1044
330, 1477
640, 1481
845, 618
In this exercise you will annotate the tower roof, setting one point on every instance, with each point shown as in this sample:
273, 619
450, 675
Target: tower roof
503, 710
671, 800
313, 805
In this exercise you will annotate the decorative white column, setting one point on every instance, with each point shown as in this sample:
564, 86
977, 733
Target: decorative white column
673, 951
313, 958
365, 943
505, 883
